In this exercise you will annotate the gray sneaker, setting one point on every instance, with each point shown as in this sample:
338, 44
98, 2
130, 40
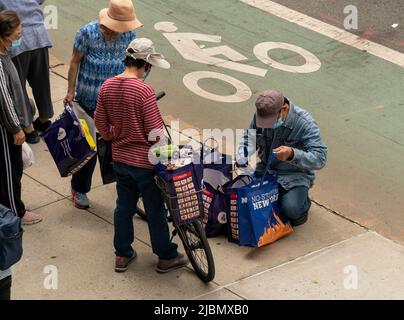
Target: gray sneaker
164, 266
80, 200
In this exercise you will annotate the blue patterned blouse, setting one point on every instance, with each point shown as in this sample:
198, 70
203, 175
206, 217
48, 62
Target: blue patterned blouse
102, 60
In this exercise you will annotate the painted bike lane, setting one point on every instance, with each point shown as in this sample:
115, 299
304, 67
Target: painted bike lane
356, 98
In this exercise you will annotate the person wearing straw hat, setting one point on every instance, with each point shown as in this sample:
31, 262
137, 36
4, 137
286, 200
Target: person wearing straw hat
127, 113
98, 53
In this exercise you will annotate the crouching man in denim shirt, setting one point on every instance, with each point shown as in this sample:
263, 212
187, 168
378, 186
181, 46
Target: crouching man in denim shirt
293, 135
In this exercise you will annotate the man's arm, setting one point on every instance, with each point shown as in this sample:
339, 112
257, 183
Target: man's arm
77, 56
312, 156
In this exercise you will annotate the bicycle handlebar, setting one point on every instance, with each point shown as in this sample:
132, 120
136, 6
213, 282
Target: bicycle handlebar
160, 95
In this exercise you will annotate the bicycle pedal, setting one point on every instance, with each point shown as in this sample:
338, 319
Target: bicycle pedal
174, 233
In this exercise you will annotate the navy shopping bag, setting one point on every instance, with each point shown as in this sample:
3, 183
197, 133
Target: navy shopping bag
10, 238
217, 172
67, 143
231, 206
183, 188
215, 218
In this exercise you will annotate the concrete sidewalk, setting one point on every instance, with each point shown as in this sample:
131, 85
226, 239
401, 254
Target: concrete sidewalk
327, 258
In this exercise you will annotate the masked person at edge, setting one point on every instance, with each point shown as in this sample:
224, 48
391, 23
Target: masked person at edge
294, 136
12, 135
31, 59
98, 53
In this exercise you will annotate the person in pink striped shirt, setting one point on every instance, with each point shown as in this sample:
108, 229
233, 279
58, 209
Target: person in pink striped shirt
127, 114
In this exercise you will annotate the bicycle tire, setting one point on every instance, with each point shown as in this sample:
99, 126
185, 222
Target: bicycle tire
196, 231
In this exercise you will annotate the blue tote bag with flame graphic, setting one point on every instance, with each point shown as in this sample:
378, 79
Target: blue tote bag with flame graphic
259, 218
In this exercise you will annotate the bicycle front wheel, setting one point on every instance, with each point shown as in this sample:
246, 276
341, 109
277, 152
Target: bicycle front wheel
198, 250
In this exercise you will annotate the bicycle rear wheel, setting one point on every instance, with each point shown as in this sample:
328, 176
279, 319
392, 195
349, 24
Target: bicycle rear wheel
198, 250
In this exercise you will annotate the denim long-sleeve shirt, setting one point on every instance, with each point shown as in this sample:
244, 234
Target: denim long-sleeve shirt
34, 32
302, 134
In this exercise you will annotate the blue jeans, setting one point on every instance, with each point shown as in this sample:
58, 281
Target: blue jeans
294, 203
130, 183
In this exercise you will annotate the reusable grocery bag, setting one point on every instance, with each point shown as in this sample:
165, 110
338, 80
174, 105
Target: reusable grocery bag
255, 217
183, 188
260, 220
231, 206
217, 171
10, 238
67, 143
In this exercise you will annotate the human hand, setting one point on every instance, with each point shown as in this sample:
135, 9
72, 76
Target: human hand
19, 138
284, 153
69, 98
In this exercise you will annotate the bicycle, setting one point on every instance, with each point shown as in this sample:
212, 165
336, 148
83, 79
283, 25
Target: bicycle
192, 234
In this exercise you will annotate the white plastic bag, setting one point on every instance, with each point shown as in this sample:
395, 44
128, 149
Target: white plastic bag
27, 156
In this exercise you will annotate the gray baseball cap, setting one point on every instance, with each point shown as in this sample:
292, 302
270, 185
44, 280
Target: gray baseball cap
268, 104
143, 48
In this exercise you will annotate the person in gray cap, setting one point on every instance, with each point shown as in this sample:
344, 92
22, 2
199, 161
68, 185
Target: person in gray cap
127, 114
292, 134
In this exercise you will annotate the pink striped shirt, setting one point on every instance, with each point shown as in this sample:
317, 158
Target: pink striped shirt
127, 113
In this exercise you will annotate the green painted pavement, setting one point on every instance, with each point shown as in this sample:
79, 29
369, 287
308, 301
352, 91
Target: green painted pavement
357, 99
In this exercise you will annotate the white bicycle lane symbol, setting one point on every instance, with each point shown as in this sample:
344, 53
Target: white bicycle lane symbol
185, 44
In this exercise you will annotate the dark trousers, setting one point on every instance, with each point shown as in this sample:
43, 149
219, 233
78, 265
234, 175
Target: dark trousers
81, 181
130, 182
34, 67
11, 168
294, 203
5, 289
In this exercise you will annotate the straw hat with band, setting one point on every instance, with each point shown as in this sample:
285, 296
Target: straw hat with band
120, 16
143, 49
